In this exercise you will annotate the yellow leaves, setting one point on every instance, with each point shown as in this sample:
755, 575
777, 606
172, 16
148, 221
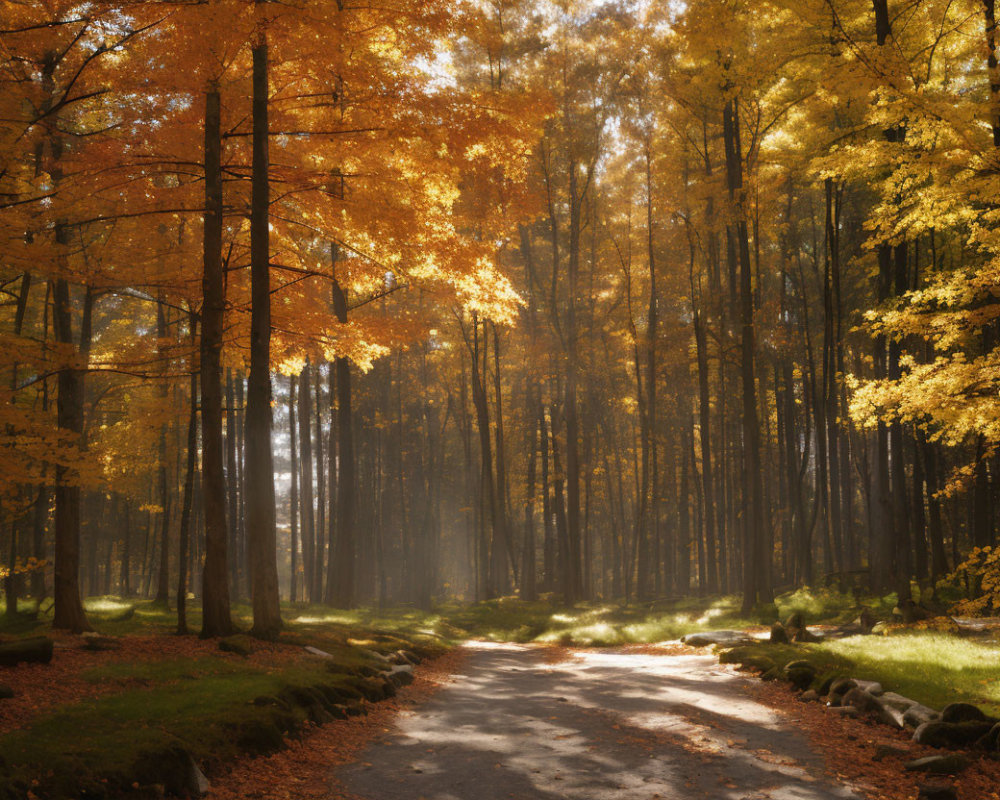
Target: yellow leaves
981, 570
488, 293
24, 567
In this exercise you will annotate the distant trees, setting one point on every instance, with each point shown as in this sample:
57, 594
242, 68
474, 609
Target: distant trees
604, 302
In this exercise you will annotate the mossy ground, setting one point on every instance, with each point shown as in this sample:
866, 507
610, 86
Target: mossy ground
195, 697
932, 668
204, 702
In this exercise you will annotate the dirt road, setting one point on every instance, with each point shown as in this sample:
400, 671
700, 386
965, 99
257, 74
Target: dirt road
626, 725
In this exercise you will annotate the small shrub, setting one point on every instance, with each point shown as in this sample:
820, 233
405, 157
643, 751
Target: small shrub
981, 574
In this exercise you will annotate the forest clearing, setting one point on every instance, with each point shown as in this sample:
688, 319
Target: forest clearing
365, 365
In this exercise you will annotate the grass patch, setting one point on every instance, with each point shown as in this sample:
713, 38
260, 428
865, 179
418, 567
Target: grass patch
933, 668
215, 707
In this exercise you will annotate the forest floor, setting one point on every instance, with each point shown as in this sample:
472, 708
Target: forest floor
634, 723
546, 701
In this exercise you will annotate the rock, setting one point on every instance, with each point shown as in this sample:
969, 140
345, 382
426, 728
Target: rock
863, 701
872, 687
401, 675
800, 674
796, 621
939, 765
950, 734
778, 634
891, 708
723, 638
883, 750
233, 645
917, 714
376, 655
845, 711
842, 686
176, 770
34, 651
6, 692
962, 712
804, 635
315, 651
990, 741
810, 696
936, 791
412, 657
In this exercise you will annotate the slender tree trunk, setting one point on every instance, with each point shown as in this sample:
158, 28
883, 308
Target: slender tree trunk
216, 618
548, 527
710, 571
756, 571
69, 614
342, 569
233, 479
319, 559
163, 576
487, 577
306, 486
293, 511
192, 461
529, 586
261, 536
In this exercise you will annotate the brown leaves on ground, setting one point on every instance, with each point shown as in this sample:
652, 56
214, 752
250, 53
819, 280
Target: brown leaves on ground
304, 769
848, 748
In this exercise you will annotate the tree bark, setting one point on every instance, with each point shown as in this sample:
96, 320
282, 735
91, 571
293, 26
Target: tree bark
69, 613
756, 560
306, 486
216, 617
187, 503
261, 536
293, 511
342, 561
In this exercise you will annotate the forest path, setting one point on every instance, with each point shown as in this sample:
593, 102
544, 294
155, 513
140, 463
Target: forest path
634, 724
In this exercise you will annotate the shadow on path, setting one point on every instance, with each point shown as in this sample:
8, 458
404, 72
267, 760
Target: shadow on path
629, 726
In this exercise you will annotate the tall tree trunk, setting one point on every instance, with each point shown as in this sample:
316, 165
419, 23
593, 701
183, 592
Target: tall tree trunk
489, 495
756, 559
306, 486
342, 562
69, 614
187, 503
529, 585
216, 617
163, 575
709, 569
261, 544
233, 479
320, 534
293, 511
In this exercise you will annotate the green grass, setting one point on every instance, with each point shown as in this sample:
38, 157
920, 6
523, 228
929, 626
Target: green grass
606, 624
204, 704
932, 668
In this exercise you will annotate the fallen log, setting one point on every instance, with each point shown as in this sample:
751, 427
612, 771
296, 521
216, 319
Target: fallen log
36, 651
